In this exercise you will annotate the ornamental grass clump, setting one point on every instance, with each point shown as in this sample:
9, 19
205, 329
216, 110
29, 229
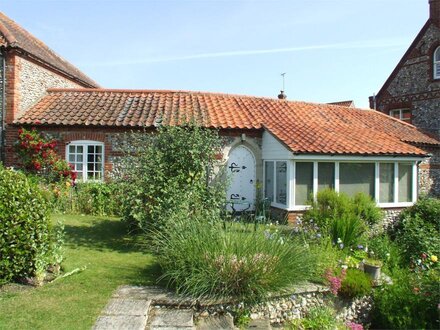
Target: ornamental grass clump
213, 259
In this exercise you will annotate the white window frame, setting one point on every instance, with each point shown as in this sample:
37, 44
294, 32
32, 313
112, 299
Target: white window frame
436, 63
85, 144
291, 178
400, 112
288, 178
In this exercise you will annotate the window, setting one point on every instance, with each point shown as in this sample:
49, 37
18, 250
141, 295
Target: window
304, 182
402, 114
405, 183
269, 181
437, 63
281, 183
87, 158
326, 176
275, 181
386, 182
356, 178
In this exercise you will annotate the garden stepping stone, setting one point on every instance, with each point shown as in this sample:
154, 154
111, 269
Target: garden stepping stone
259, 325
128, 310
218, 322
171, 319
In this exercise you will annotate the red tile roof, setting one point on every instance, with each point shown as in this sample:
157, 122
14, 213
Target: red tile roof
14, 36
349, 103
302, 127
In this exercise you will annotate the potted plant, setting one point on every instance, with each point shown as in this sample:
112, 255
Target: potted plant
372, 267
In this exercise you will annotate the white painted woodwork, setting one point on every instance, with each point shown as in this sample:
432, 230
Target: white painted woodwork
242, 178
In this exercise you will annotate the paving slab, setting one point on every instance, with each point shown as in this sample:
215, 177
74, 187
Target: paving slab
259, 325
117, 322
218, 322
127, 307
172, 318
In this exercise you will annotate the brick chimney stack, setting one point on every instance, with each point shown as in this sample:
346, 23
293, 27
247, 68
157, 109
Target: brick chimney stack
434, 10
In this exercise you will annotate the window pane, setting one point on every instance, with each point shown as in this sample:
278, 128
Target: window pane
268, 185
386, 179
71, 158
405, 182
90, 149
79, 149
281, 184
304, 182
437, 54
326, 176
356, 178
395, 114
71, 149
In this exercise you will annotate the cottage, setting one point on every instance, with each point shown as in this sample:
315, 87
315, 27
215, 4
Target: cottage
294, 149
412, 93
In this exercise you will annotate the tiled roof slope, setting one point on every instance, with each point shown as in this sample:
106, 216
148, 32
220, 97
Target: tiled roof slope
302, 127
349, 103
14, 36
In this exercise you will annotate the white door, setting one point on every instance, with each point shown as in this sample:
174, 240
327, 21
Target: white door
241, 173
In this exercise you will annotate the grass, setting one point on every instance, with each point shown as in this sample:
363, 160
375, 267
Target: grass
76, 301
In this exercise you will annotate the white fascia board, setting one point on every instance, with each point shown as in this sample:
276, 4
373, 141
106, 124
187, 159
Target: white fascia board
356, 158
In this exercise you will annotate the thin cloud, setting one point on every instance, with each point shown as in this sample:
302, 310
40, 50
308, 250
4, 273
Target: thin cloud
372, 44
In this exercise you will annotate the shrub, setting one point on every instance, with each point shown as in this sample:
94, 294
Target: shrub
418, 232
416, 238
321, 318
355, 284
164, 170
346, 220
25, 227
96, 198
215, 259
386, 250
347, 231
411, 302
37, 154
329, 205
366, 209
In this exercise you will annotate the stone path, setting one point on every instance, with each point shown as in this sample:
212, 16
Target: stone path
139, 308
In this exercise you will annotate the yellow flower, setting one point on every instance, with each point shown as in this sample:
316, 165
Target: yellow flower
434, 258
68, 184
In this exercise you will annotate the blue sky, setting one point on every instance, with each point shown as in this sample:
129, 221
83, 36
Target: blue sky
331, 50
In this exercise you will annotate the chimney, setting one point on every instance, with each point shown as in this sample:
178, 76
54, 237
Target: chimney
282, 96
434, 10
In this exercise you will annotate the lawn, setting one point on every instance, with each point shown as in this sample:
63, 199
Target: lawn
74, 302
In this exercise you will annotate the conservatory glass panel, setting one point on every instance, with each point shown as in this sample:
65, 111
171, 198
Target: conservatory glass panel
386, 182
269, 181
281, 183
405, 183
304, 182
356, 178
326, 176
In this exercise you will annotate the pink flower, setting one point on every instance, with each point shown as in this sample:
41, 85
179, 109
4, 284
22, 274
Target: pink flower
354, 326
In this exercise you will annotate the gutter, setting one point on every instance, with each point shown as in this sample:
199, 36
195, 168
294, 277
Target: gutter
3, 108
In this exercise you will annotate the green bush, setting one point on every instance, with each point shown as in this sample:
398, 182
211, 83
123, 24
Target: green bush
329, 205
366, 208
164, 170
386, 250
418, 231
347, 231
321, 318
220, 260
346, 220
25, 227
427, 209
355, 284
96, 198
411, 302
